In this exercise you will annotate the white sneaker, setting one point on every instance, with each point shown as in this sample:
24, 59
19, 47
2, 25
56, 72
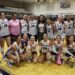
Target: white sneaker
9, 64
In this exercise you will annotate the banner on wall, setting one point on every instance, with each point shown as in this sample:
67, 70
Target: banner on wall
65, 4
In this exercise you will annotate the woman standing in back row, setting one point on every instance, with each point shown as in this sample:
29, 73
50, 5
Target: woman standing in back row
4, 33
50, 29
24, 25
14, 27
41, 27
32, 27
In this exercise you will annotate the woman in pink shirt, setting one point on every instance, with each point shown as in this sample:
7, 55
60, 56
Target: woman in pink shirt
14, 28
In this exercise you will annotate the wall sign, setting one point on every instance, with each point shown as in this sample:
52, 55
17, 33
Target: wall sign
65, 4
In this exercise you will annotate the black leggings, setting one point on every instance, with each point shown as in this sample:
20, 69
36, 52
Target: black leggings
40, 36
13, 38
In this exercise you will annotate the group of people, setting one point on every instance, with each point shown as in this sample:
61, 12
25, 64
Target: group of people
37, 39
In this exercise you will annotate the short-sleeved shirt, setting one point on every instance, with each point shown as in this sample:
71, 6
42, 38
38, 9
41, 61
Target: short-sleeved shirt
33, 27
14, 27
10, 51
41, 28
32, 47
4, 30
69, 27
59, 27
24, 26
45, 46
50, 33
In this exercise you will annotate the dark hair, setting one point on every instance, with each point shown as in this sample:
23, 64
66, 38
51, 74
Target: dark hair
43, 19
18, 36
48, 19
58, 36
1, 13
67, 40
13, 14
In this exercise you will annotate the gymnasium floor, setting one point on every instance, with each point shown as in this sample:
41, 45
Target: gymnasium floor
38, 69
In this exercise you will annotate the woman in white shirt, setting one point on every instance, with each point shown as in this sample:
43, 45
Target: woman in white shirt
32, 27
24, 25
50, 29
69, 26
4, 33
59, 25
45, 49
31, 50
41, 27
13, 53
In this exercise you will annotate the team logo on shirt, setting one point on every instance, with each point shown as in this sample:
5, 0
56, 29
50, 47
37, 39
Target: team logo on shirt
5, 25
59, 28
33, 26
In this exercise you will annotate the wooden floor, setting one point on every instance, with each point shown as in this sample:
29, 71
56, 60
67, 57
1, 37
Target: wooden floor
38, 69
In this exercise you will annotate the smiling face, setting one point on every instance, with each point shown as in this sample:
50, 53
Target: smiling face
71, 39
2, 16
25, 17
60, 18
14, 16
19, 39
58, 38
41, 18
32, 39
25, 37
49, 21
45, 37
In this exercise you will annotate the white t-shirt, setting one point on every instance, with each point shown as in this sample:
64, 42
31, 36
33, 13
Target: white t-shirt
33, 27
4, 30
17, 46
50, 31
32, 47
45, 46
16, 52
41, 27
69, 27
59, 27
24, 26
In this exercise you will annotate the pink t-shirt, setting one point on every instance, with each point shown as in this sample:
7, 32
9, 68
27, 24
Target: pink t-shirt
14, 27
